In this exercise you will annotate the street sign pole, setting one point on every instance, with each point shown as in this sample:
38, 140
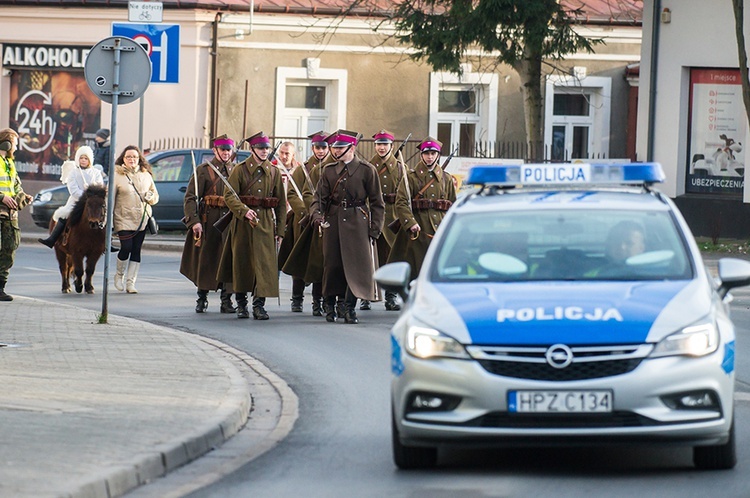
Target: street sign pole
128, 66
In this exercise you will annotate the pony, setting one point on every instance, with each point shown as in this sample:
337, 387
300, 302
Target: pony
83, 238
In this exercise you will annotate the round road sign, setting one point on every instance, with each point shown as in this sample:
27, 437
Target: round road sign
134, 69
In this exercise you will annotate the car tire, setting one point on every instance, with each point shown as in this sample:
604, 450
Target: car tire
411, 457
717, 457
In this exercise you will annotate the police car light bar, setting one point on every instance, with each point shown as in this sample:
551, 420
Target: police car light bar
567, 174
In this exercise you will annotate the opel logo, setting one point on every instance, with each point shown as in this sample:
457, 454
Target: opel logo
559, 356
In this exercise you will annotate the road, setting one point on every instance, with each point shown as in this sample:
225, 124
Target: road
340, 445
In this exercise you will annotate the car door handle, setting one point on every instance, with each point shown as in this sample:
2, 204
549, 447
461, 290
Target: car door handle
183, 189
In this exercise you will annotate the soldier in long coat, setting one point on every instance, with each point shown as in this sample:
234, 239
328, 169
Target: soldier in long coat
391, 174
421, 204
248, 259
203, 244
305, 262
349, 205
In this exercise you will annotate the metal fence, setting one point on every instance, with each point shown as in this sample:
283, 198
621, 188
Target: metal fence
366, 149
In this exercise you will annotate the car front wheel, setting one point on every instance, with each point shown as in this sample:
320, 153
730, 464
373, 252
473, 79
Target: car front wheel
717, 457
411, 457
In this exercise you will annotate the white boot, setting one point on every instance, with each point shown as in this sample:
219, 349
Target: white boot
119, 274
132, 275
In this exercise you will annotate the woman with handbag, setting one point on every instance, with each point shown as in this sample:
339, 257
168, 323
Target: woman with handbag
135, 193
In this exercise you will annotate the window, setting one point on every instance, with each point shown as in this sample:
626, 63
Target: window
305, 97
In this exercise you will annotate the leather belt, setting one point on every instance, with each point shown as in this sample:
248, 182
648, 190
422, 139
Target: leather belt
347, 204
262, 202
438, 204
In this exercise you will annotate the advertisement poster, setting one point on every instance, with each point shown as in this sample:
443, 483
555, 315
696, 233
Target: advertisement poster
718, 125
54, 112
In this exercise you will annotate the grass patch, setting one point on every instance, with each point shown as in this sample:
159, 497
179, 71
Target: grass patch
725, 246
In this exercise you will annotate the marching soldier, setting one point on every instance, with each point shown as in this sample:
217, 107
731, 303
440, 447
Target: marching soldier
305, 262
204, 205
391, 174
421, 203
348, 206
249, 259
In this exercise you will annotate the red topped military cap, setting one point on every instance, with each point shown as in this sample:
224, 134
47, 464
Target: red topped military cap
430, 143
223, 142
343, 138
259, 140
319, 138
383, 137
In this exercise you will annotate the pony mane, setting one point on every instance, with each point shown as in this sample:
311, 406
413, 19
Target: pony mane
80, 205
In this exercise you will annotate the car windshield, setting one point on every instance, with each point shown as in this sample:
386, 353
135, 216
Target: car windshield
562, 245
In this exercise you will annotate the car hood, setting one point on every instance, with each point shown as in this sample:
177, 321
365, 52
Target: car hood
543, 313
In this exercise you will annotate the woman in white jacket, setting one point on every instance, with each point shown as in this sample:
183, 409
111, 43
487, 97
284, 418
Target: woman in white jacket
77, 176
135, 193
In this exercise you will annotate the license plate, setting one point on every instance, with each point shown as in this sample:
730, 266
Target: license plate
560, 401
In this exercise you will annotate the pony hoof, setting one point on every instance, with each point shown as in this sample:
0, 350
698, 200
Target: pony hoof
66, 291
89, 291
79, 289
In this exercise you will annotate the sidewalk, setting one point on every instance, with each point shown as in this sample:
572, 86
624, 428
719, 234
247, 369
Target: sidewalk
94, 410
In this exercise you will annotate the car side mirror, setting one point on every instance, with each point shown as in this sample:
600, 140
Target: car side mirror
733, 273
394, 277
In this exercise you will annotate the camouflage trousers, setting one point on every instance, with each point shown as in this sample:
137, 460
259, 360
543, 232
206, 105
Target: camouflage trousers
10, 239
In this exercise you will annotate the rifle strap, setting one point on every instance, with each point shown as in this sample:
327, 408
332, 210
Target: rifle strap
423, 189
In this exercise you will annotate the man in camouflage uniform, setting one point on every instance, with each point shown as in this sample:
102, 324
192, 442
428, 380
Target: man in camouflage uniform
200, 256
421, 204
348, 206
12, 199
249, 260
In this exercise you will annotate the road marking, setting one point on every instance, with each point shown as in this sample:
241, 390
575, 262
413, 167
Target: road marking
741, 396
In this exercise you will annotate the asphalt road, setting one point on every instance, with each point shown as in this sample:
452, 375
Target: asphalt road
340, 445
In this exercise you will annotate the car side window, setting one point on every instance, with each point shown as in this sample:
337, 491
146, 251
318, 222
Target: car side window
170, 168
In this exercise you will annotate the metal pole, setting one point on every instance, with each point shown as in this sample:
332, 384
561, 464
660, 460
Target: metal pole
110, 182
140, 124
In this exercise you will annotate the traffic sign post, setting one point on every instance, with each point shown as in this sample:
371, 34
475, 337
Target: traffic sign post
118, 71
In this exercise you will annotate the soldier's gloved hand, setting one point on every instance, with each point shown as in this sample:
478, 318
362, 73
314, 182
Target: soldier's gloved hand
316, 221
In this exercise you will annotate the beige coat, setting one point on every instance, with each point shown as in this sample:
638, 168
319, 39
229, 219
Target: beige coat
129, 212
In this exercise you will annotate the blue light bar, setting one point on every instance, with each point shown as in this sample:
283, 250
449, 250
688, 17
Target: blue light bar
567, 174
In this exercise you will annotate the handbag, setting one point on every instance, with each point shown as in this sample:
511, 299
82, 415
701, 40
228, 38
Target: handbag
152, 226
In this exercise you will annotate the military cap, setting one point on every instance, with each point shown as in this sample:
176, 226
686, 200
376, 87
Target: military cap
260, 140
223, 142
430, 143
319, 138
343, 138
383, 137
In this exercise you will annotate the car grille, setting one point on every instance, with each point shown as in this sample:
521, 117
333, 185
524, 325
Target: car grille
557, 421
588, 362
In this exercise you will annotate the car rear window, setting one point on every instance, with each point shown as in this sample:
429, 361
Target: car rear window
562, 245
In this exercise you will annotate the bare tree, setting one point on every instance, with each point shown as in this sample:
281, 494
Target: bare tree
739, 26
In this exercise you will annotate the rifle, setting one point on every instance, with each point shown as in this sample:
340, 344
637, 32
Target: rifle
448, 159
237, 149
403, 144
197, 199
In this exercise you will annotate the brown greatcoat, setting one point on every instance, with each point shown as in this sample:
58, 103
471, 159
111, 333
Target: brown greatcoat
391, 173
201, 263
413, 251
296, 209
349, 198
248, 259
306, 259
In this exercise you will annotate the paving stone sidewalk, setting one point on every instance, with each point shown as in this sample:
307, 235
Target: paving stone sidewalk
94, 410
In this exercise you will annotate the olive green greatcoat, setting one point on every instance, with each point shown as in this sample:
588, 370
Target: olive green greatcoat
413, 251
201, 263
306, 259
348, 243
296, 210
391, 173
248, 259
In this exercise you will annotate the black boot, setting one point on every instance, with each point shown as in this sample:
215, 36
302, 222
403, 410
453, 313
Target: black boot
350, 316
329, 305
365, 305
340, 308
317, 309
201, 304
226, 302
297, 303
390, 301
56, 232
242, 311
3, 295
259, 312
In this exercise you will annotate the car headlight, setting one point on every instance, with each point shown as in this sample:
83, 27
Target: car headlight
45, 197
424, 342
695, 340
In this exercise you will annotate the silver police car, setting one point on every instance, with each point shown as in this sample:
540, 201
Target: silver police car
564, 303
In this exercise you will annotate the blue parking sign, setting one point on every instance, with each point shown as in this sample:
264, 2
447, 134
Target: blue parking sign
162, 43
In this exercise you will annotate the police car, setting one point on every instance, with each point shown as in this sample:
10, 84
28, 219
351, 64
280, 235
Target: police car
558, 304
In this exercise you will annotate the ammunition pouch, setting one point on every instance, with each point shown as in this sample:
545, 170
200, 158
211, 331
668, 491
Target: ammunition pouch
437, 204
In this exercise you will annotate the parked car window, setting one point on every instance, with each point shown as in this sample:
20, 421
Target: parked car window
171, 169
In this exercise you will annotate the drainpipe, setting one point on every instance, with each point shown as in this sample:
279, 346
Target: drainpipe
656, 20
214, 62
